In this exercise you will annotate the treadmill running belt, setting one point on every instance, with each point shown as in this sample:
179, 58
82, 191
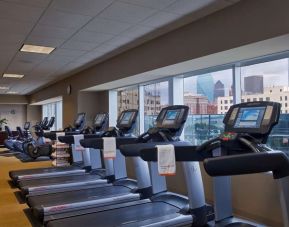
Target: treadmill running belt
15, 173
118, 217
57, 180
38, 203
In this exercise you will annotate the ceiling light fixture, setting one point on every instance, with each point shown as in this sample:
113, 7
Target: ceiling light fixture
11, 75
4, 88
12, 92
36, 49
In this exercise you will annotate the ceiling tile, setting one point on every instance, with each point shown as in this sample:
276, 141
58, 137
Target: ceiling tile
44, 41
68, 52
188, 6
155, 4
78, 45
15, 39
137, 31
160, 19
36, 3
119, 41
20, 67
127, 12
85, 7
93, 37
15, 27
52, 32
17, 12
65, 20
105, 48
106, 26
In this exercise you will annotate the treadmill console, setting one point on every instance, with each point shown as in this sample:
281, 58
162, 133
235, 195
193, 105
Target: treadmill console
100, 121
252, 117
126, 120
26, 125
80, 120
172, 118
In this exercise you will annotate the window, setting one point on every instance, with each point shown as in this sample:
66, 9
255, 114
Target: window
269, 80
260, 99
156, 97
205, 94
128, 99
254, 99
53, 109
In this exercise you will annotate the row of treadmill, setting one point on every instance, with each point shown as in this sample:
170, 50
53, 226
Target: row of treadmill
96, 191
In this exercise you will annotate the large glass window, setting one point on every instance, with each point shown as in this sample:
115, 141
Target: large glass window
269, 81
53, 109
128, 98
208, 96
156, 96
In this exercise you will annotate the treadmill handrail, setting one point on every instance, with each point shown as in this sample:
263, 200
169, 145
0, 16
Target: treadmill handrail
97, 143
275, 161
69, 139
148, 151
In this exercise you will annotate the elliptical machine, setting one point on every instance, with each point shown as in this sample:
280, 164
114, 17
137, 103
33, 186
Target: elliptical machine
38, 147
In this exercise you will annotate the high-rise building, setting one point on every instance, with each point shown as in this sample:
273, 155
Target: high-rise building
219, 90
205, 86
253, 85
198, 104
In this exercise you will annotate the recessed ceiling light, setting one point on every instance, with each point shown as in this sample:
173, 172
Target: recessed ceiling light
12, 92
11, 75
4, 88
36, 49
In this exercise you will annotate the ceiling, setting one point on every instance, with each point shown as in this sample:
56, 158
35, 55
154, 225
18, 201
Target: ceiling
84, 32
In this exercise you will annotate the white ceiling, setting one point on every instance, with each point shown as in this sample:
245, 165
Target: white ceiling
83, 32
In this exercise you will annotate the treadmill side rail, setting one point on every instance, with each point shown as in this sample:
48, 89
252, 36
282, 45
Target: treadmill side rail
91, 203
48, 175
48, 188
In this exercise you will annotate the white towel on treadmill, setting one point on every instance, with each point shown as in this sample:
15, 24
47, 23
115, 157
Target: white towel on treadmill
166, 160
109, 147
77, 145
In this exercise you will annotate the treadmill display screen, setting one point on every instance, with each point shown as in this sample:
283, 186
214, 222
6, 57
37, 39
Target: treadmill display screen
99, 118
250, 117
170, 117
126, 117
79, 118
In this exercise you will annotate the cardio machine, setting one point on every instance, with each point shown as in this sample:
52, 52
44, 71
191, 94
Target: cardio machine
37, 173
156, 209
68, 182
11, 140
241, 149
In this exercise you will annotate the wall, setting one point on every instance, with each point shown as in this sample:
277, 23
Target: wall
15, 114
34, 114
13, 99
92, 103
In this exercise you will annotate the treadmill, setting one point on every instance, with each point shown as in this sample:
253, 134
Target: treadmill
68, 182
241, 149
55, 206
75, 169
163, 208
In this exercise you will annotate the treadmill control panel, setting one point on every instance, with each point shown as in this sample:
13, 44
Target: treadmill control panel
172, 117
127, 119
252, 117
79, 120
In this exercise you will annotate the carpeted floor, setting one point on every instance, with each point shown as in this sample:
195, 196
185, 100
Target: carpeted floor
11, 212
